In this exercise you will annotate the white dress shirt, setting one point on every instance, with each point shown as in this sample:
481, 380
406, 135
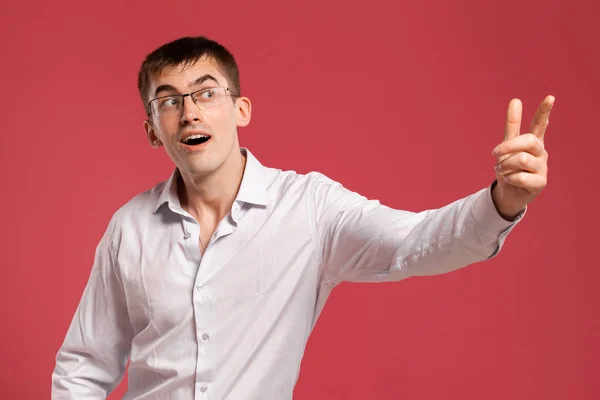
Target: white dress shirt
233, 323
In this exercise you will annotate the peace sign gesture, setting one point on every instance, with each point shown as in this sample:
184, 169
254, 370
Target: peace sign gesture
521, 160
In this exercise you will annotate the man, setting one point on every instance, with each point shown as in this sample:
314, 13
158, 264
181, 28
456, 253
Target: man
210, 283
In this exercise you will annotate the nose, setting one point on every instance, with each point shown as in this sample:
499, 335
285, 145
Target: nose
191, 112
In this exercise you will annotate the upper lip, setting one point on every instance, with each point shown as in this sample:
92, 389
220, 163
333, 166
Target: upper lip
190, 133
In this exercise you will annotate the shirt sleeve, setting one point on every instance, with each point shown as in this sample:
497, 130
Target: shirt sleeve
92, 360
361, 240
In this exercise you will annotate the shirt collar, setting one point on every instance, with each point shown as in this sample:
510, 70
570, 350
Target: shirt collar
253, 188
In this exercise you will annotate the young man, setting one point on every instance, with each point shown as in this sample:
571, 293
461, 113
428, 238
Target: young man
210, 283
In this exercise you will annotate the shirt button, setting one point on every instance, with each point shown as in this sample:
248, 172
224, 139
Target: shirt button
187, 235
205, 336
199, 287
203, 388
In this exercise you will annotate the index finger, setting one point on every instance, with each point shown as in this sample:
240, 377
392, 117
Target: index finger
513, 119
542, 117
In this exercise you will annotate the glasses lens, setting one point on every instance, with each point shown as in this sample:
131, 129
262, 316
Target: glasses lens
166, 105
209, 97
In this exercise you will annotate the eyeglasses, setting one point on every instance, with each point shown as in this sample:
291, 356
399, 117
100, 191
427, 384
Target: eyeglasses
204, 99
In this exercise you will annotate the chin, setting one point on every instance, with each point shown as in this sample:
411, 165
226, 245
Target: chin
205, 166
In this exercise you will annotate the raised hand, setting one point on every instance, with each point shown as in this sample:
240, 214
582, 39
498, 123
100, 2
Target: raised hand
521, 160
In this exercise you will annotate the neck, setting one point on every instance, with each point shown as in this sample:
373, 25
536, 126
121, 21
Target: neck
209, 198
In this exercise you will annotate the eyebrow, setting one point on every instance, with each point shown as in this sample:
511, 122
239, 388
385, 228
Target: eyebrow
200, 80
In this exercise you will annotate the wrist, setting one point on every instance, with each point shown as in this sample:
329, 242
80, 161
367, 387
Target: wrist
504, 208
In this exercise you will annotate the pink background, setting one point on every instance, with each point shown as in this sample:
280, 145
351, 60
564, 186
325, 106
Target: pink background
400, 101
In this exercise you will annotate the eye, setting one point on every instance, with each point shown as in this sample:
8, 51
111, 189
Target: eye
169, 102
206, 94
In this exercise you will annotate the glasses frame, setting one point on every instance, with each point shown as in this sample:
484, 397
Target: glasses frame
228, 92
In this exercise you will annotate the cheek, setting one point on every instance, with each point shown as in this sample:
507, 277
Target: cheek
167, 129
222, 122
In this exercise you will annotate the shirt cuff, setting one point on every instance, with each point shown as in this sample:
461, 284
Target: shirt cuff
490, 224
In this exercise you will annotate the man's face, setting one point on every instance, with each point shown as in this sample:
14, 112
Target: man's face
171, 126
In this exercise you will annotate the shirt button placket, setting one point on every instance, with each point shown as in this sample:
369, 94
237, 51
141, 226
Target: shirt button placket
203, 391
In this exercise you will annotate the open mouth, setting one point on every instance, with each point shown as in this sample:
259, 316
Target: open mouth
195, 140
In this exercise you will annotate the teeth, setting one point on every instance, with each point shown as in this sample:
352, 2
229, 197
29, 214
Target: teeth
194, 137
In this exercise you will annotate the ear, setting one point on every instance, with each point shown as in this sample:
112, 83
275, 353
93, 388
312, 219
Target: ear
244, 111
151, 135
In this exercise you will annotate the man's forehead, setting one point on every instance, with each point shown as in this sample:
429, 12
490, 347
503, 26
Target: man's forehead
186, 75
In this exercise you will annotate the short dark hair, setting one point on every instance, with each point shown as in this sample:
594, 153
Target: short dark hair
187, 51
